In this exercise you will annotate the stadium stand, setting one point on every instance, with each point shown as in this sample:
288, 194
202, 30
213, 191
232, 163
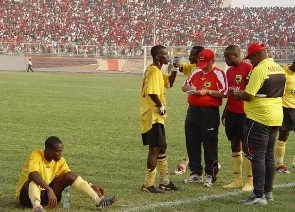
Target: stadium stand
63, 25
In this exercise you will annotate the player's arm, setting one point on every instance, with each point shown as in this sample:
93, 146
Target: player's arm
158, 103
243, 95
173, 76
36, 178
223, 113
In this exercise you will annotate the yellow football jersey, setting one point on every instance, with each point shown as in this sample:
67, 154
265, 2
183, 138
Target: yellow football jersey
47, 169
289, 96
155, 81
188, 68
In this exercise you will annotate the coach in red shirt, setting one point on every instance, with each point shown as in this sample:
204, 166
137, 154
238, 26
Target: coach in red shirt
206, 87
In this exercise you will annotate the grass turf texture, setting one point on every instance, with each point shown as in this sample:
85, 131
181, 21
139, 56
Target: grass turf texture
96, 116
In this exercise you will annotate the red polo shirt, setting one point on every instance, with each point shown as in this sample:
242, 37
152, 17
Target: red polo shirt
214, 80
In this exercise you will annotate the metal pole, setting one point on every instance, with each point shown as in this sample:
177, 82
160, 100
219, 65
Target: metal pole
154, 25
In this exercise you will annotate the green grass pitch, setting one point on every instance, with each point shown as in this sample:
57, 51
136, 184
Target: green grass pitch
96, 116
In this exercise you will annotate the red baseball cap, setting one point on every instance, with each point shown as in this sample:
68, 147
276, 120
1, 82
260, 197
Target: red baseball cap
254, 48
204, 58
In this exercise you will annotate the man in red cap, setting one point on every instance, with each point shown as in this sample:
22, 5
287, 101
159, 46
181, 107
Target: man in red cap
206, 87
264, 115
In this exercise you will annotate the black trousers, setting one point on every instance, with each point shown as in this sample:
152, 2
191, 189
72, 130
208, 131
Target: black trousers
30, 68
201, 128
261, 140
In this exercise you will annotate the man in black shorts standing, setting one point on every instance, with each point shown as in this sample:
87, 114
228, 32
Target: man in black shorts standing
233, 116
152, 120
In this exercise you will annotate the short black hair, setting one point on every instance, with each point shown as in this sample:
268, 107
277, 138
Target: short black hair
198, 49
155, 50
233, 48
51, 142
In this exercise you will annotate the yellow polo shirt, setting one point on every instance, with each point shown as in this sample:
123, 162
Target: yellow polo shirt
266, 84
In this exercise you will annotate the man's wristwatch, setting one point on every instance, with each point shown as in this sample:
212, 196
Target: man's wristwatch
209, 92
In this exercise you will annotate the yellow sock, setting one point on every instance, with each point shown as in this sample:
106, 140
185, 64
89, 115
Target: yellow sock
249, 179
237, 160
248, 168
280, 152
83, 187
34, 194
163, 168
150, 177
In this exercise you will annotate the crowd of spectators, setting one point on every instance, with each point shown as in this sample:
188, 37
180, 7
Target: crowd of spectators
62, 25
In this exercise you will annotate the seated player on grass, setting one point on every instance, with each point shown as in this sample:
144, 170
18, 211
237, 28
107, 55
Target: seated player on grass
46, 174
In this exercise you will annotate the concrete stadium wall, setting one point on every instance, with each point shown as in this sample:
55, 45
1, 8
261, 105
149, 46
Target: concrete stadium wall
74, 64
12, 63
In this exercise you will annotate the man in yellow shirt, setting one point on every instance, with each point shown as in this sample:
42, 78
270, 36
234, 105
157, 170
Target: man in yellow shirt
187, 68
289, 118
264, 115
152, 120
46, 174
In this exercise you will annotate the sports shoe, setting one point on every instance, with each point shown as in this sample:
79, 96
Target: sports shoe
269, 196
283, 169
152, 189
170, 186
194, 178
106, 201
180, 169
252, 199
39, 209
208, 181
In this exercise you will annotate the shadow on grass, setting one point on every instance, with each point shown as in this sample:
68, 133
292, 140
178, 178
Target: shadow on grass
9, 205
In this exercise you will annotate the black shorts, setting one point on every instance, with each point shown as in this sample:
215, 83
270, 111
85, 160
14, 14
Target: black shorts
234, 125
289, 119
155, 136
25, 200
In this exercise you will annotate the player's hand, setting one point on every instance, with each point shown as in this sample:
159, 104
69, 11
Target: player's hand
162, 110
99, 190
232, 90
203, 92
52, 199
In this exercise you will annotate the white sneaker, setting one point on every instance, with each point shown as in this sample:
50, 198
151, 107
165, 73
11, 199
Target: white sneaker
193, 179
252, 199
208, 181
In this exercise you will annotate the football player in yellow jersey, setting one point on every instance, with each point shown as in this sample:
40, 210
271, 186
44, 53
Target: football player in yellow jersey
152, 120
187, 68
264, 116
46, 174
289, 118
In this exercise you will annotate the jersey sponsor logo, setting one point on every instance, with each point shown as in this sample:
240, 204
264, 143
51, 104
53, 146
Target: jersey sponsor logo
238, 79
207, 84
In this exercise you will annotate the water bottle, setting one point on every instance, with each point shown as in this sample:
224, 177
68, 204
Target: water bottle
67, 199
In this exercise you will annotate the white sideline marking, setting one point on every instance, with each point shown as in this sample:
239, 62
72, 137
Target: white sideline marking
197, 199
